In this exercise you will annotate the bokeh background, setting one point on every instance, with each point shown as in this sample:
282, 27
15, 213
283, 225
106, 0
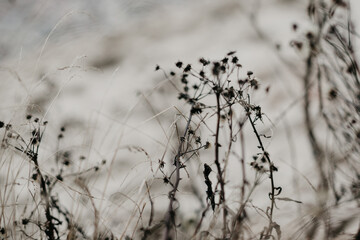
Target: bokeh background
90, 66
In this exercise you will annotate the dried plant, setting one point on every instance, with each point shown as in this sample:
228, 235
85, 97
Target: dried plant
218, 149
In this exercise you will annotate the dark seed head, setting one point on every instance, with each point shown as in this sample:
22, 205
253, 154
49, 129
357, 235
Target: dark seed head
34, 176
332, 94
166, 180
179, 64
187, 68
66, 162
310, 35
203, 61
59, 177
224, 60
216, 68
25, 221
294, 27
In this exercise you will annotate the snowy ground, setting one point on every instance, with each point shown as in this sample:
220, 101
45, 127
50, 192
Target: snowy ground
90, 66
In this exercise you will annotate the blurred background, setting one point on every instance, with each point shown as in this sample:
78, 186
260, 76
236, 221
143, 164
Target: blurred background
90, 66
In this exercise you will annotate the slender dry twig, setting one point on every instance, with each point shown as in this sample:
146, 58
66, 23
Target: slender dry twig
170, 214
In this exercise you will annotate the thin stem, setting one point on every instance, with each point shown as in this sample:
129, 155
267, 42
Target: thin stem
170, 215
270, 215
218, 166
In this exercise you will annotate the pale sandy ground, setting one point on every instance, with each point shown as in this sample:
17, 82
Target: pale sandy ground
90, 66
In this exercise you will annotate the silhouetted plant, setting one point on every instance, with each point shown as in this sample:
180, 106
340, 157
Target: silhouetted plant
217, 91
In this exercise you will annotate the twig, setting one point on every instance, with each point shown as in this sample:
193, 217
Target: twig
170, 214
